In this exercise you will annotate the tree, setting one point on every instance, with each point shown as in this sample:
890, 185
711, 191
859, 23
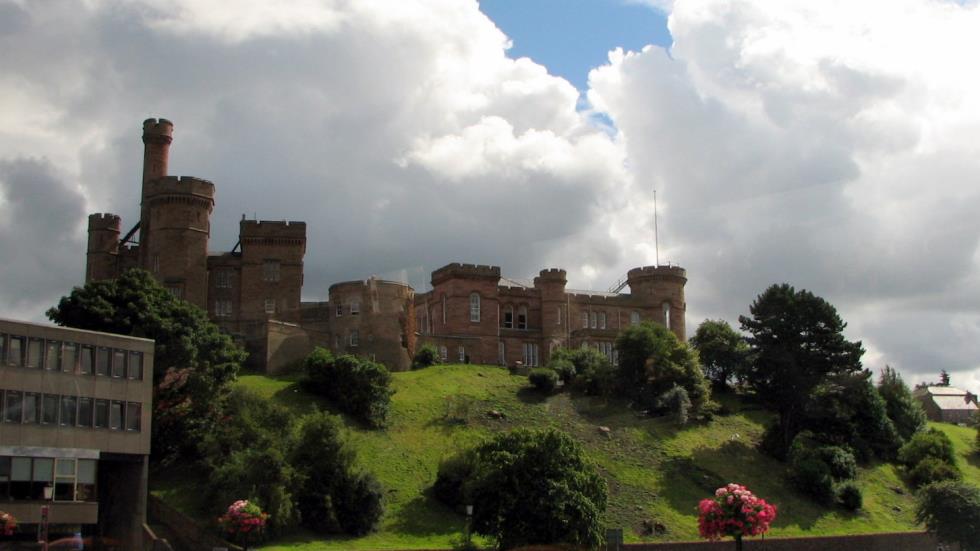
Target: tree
652, 361
903, 409
943, 378
722, 351
358, 386
532, 487
951, 510
796, 340
194, 362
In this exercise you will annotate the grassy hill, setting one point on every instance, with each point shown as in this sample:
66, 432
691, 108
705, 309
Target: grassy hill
655, 471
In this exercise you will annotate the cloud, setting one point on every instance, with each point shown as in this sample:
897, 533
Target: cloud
825, 146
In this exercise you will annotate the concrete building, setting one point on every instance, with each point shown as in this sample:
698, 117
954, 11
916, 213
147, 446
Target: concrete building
75, 429
473, 314
947, 404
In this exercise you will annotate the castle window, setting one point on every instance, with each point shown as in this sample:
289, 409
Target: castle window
353, 337
270, 270
340, 309
666, 308
522, 317
443, 353
559, 316
530, 354
444, 309
585, 320
222, 279
462, 354
634, 318
355, 308
593, 317
176, 291
602, 320
270, 306
222, 308
508, 317
156, 263
474, 307
501, 356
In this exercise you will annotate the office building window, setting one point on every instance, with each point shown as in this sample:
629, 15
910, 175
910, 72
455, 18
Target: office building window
354, 337
593, 320
69, 405
355, 308
101, 414
15, 351
634, 318
270, 306
64, 482
20, 478
86, 360
522, 317
585, 320
115, 415
4, 477
52, 357
602, 320
69, 357
32, 408
474, 307
118, 363
43, 476
270, 270
49, 409
85, 412
12, 406
35, 348
85, 481
135, 366
508, 317
102, 361
133, 412
222, 279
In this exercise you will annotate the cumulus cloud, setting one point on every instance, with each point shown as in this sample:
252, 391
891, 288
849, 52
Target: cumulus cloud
829, 145
823, 145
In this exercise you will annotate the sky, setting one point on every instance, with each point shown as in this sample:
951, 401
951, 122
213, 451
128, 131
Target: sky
829, 145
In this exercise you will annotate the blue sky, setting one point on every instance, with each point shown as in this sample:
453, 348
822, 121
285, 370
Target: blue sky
570, 37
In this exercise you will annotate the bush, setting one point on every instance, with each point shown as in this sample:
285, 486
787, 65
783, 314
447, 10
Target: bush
564, 368
839, 460
358, 387
594, 373
359, 500
850, 496
812, 476
931, 443
814, 467
652, 361
676, 403
951, 510
425, 356
451, 477
903, 409
543, 379
931, 470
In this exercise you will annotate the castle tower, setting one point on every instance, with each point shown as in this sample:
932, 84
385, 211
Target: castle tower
554, 307
272, 269
103, 246
157, 137
663, 287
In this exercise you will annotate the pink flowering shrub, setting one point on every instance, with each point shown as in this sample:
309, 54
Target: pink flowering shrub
243, 519
7, 524
735, 512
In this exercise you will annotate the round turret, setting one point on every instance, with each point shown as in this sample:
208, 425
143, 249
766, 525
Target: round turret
157, 136
662, 288
103, 244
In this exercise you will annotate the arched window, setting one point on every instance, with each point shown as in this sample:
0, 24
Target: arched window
475, 307
593, 316
634, 318
508, 317
522, 317
666, 307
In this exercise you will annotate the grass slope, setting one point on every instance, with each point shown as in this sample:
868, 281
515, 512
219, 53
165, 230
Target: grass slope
655, 471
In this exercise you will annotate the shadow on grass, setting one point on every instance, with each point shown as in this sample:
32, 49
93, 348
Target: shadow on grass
974, 459
424, 515
529, 395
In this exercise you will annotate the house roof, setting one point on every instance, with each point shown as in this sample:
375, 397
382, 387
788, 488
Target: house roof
945, 391
953, 403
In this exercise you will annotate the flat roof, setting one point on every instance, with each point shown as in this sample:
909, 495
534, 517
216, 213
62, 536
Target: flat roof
63, 328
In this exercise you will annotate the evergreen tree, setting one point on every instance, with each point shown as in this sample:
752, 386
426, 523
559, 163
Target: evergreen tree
903, 409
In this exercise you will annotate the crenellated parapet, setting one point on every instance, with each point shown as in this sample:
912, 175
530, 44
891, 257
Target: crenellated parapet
264, 232
179, 190
458, 270
158, 131
658, 272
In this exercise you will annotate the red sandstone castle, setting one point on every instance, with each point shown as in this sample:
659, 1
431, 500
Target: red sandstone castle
472, 314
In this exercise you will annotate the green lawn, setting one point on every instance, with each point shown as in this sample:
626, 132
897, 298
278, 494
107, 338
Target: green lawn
655, 471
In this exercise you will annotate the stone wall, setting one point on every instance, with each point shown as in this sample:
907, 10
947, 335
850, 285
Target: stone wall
899, 541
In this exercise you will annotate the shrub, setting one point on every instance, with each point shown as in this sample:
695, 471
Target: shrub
839, 460
676, 403
931, 470
451, 477
358, 387
811, 471
543, 379
850, 496
262, 475
425, 356
652, 361
359, 500
564, 368
931, 443
812, 476
951, 510
903, 409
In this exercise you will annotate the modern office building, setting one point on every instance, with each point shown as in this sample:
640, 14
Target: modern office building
75, 430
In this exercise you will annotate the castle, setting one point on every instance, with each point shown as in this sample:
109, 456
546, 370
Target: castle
472, 314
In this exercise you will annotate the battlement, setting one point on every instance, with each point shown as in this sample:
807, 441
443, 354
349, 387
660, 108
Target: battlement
551, 276
657, 272
360, 284
158, 130
264, 229
507, 291
465, 271
180, 185
104, 221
